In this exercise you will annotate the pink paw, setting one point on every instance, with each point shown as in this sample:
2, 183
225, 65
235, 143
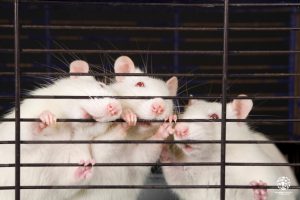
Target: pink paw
166, 128
84, 171
113, 109
130, 117
181, 130
47, 119
259, 193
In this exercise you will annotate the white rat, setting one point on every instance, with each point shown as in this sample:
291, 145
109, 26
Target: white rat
100, 109
235, 175
149, 109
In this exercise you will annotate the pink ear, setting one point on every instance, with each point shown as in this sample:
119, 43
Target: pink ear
79, 66
172, 85
123, 65
242, 107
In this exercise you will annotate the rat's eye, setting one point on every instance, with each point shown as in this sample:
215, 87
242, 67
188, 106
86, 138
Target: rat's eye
214, 116
140, 84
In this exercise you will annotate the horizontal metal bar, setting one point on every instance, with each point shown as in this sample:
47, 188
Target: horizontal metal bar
151, 164
6, 26
143, 187
6, 50
137, 4
66, 74
264, 28
99, 51
147, 97
158, 121
261, 52
182, 52
148, 28
152, 142
204, 75
263, 4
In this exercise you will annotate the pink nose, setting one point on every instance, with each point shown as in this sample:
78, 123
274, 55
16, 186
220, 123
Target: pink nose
181, 130
113, 109
157, 108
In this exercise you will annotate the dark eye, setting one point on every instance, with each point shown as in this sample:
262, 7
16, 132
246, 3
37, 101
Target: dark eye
214, 116
140, 84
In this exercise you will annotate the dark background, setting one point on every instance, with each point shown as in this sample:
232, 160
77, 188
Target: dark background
128, 14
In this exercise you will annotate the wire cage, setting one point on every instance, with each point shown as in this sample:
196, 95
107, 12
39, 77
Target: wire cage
217, 49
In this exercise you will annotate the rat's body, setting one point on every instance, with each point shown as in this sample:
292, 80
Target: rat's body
98, 109
235, 175
149, 109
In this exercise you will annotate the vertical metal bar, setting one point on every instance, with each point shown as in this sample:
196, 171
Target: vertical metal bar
291, 69
47, 36
17, 100
176, 48
176, 41
224, 94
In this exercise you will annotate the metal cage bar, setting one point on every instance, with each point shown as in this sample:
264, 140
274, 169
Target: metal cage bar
171, 5
148, 28
223, 101
225, 76
17, 100
204, 75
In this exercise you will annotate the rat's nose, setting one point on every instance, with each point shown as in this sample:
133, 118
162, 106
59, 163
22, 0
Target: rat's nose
157, 106
113, 108
181, 130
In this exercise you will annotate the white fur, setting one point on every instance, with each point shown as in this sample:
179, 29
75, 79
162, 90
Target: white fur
235, 175
54, 153
129, 153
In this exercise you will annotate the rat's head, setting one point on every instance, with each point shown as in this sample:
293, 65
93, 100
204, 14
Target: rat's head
199, 109
101, 109
152, 108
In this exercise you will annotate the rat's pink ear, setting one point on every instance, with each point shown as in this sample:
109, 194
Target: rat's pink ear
123, 64
79, 66
172, 85
242, 107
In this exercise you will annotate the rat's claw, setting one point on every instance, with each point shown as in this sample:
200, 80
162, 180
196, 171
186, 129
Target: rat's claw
171, 118
175, 118
89, 162
129, 117
133, 119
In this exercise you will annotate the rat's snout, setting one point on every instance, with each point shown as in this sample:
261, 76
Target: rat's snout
158, 106
114, 108
181, 130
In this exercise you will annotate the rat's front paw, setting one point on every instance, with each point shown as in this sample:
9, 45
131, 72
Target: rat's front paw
167, 128
259, 193
47, 119
129, 117
84, 171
